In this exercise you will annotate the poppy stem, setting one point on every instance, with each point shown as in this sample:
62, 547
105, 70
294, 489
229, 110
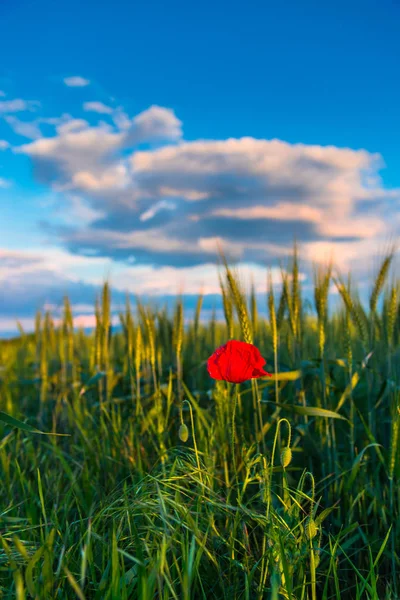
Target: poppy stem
235, 399
194, 440
259, 408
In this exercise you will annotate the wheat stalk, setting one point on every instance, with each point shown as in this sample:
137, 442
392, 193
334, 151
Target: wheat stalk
177, 342
321, 288
391, 315
394, 442
254, 312
274, 329
380, 281
138, 363
228, 308
355, 314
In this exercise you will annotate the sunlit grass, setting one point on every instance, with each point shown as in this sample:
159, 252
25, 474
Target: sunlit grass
156, 493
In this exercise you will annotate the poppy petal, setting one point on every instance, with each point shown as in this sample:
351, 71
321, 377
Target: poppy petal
236, 362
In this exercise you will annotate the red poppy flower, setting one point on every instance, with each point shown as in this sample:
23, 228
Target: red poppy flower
236, 362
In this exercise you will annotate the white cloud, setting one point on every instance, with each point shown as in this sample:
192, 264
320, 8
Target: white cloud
79, 307
82, 212
369, 226
121, 119
76, 81
4, 183
168, 280
17, 265
4, 145
97, 107
278, 160
9, 324
154, 123
149, 214
325, 182
355, 257
154, 239
85, 158
75, 150
26, 129
17, 105
171, 205
183, 193
114, 177
72, 125
281, 211
73, 210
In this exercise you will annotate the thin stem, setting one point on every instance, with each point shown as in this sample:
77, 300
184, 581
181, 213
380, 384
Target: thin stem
235, 400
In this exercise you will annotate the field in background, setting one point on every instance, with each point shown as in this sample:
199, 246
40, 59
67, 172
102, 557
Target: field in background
123, 507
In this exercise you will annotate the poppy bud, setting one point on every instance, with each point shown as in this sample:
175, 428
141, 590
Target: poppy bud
183, 433
311, 528
286, 457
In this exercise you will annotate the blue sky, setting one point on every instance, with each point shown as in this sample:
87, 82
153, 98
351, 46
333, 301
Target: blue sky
210, 86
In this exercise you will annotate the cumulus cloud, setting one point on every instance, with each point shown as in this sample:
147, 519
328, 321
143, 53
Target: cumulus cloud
112, 178
85, 158
155, 123
73, 150
169, 205
247, 168
76, 81
97, 107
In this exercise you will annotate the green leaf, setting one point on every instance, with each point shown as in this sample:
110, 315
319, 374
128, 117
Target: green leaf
356, 465
311, 411
92, 381
322, 516
24, 426
285, 376
354, 380
312, 362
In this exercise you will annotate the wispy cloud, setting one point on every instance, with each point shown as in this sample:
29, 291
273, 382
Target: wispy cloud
97, 107
76, 81
4, 183
28, 129
74, 211
17, 105
163, 204
4, 145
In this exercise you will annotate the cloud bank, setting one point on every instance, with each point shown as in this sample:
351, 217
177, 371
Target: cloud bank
136, 195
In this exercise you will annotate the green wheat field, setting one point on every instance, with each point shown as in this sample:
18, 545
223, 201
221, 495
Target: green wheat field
127, 472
